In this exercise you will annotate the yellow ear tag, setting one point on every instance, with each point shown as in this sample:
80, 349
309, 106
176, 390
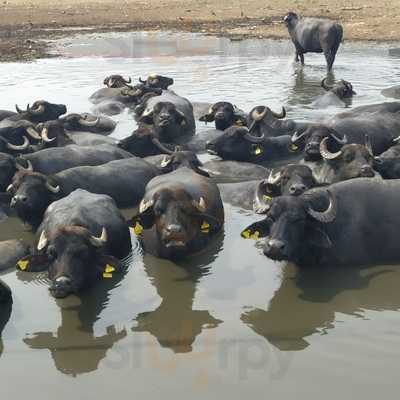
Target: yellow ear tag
138, 229
258, 150
107, 275
294, 147
246, 234
109, 268
23, 264
205, 227
267, 198
255, 235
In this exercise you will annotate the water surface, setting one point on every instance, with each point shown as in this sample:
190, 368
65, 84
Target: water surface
227, 323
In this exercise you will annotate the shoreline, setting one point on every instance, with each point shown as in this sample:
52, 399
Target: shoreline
27, 29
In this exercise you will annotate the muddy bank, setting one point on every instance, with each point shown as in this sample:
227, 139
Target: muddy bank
26, 26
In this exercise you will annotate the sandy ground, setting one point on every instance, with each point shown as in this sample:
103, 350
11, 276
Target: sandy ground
25, 25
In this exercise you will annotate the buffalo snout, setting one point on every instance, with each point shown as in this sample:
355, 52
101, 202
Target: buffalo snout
61, 287
275, 249
297, 189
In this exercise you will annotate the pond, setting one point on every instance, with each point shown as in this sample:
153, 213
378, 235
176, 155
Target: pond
227, 323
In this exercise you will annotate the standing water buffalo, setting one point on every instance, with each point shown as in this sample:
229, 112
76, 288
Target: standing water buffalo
82, 239
314, 228
310, 35
180, 214
123, 180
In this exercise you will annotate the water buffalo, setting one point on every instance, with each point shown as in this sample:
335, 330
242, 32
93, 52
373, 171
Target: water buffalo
314, 228
40, 111
351, 161
157, 81
53, 160
182, 158
237, 143
86, 122
116, 81
225, 115
290, 180
82, 239
388, 163
170, 115
380, 127
311, 35
115, 85
123, 180
338, 95
8, 168
180, 214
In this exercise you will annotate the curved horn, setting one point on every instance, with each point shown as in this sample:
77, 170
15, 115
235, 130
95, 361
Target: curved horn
145, 205
36, 111
368, 145
45, 136
33, 133
281, 115
42, 243
21, 168
99, 241
325, 86
259, 116
253, 139
297, 136
273, 179
142, 81
325, 153
85, 122
15, 147
127, 81
51, 188
396, 140
200, 205
10, 188
161, 147
19, 111
343, 141
326, 216
165, 162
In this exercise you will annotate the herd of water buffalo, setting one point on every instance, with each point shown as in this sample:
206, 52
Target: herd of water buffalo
328, 190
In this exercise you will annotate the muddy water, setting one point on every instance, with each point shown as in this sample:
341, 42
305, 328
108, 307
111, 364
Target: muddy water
227, 323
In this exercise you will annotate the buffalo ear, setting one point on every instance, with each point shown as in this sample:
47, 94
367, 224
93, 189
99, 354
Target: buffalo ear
319, 238
208, 224
108, 265
141, 222
257, 230
33, 263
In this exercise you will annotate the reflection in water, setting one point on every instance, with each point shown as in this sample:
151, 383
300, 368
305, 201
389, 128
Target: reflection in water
174, 322
308, 301
75, 348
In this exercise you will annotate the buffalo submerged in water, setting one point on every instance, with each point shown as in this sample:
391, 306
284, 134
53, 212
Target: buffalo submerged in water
315, 228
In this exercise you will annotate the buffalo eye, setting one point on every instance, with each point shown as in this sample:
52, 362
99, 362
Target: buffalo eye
51, 253
348, 157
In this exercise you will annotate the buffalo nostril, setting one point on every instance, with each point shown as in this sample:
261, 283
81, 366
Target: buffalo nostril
173, 228
18, 199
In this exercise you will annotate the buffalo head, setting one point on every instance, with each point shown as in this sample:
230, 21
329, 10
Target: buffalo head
224, 114
157, 81
291, 180
41, 111
166, 119
73, 256
78, 122
291, 221
291, 19
32, 193
342, 88
181, 158
116, 81
311, 140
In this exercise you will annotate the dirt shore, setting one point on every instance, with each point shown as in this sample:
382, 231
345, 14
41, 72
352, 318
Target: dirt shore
26, 25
